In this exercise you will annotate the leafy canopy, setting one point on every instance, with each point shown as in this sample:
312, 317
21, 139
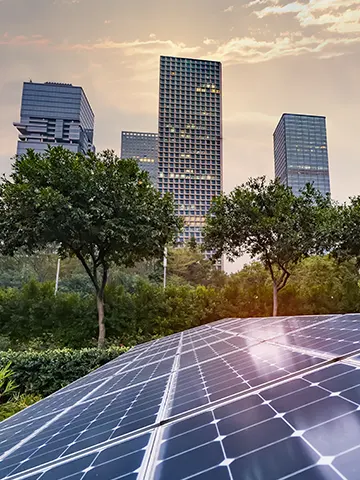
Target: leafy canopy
96, 206
267, 221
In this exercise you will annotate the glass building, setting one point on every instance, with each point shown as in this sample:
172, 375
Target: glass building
55, 114
190, 137
301, 152
143, 147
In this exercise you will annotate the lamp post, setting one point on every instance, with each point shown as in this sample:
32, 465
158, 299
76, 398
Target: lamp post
165, 265
57, 276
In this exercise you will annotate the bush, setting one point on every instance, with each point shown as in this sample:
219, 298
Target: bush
18, 403
42, 373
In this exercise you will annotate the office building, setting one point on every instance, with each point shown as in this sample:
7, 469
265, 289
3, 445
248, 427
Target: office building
190, 138
55, 114
301, 152
143, 147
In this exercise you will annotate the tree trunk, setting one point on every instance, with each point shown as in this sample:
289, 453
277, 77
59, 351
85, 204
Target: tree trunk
100, 310
275, 299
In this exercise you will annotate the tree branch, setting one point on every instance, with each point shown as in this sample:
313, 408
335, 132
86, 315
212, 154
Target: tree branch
88, 271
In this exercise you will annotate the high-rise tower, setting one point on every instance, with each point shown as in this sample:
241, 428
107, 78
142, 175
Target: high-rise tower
190, 137
301, 153
143, 147
55, 114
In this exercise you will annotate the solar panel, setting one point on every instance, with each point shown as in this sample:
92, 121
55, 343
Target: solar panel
239, 398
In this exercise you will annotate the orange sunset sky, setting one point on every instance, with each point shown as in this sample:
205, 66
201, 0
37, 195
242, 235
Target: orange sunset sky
278, 56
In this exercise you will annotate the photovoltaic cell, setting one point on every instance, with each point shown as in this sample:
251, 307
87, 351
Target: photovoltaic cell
239, 398
338, 336
92, 422
233, 373
289, 430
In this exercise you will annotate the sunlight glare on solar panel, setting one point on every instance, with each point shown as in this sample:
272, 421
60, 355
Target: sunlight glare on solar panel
239, 398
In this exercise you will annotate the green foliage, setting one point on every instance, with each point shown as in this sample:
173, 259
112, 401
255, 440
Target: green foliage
32, 318
96, 207
320, 285
268, 222
42, 373
248, 293
34, 314
7, 383
189, 266
346, 231
16, 404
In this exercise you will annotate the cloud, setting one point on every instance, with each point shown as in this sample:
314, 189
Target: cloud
136, 47
23, 40
210, 41
341, 16
66, 2
250, 50
229, 9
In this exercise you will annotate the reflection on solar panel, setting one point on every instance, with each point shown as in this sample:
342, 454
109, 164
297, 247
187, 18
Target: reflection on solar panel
260, 399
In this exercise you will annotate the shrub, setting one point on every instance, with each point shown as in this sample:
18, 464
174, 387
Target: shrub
7, 383
17, 404
42, 373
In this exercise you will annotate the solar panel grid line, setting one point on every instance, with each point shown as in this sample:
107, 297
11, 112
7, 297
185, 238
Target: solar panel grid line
317, 353
244, 394
93, 419
246, 322
43, 427
304, 439
322, 460
51, 421
278, 322
155, 438
43, 468
85, 451
108, 366
217, 430
307, 351
217, 346
130, 385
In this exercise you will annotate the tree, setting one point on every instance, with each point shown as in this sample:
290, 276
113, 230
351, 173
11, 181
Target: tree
96, 207
347, 231
189, 265
270, 223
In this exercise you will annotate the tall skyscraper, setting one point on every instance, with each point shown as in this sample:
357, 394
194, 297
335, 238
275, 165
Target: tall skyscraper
55, 114
301, 153
143, 147
190, 137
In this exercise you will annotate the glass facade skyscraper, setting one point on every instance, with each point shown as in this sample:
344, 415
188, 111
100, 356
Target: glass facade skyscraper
143, 147
301, 152
190, 137
55, 114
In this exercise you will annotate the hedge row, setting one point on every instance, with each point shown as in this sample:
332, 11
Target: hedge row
70, 319
42, 373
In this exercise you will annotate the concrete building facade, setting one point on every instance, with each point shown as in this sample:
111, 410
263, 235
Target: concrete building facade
142, 147
301, 152
190, 137
55, 114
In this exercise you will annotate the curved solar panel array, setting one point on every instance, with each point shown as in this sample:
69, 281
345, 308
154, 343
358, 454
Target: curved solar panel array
261, 399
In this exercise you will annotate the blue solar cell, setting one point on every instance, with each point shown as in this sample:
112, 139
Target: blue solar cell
118, 461
335, 336
233, 373
249, 401
90, 423
279, 432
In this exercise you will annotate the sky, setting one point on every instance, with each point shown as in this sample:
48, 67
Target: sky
294, 56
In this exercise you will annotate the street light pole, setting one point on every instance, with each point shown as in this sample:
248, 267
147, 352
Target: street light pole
165, 265
57, 276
